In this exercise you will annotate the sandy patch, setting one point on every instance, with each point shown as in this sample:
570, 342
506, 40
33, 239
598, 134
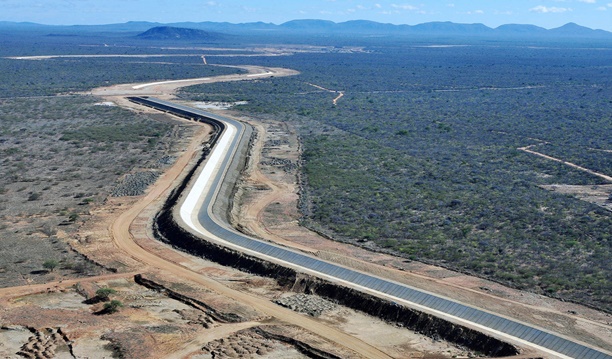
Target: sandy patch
596, 194
218, 105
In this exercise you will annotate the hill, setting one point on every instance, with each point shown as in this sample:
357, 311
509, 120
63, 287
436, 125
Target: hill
178, 33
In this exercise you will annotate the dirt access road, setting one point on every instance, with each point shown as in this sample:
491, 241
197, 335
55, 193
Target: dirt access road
163, 89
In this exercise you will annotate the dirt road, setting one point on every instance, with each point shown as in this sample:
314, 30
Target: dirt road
13, 292
529, 150
165, 88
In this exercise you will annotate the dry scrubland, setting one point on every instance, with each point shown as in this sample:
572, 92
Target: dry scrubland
60, 157
428, 164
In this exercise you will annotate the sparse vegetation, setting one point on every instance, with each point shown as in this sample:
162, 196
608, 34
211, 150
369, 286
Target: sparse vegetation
112, 306
50, 264
50, 77
34, 196
115, 133
50, 184
103, 294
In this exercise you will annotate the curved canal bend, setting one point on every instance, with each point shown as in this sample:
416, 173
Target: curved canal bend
197, 213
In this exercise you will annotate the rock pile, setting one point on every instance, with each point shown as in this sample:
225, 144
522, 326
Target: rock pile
240, 345
196, 317
285, 164
308, 304
276, 143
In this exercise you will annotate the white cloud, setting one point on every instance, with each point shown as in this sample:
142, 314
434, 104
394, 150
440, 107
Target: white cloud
588, 1
212, 3
404, 7
356, 8
450, 5
378, 6
250, 10
546, 10
602, 8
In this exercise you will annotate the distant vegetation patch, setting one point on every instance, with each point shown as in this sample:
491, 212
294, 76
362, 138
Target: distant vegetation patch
61, 75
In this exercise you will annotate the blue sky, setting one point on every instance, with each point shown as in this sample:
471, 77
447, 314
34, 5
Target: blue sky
546, 13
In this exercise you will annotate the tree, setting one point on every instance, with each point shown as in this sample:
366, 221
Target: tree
112, 306
73, 217
104, 293
50, 264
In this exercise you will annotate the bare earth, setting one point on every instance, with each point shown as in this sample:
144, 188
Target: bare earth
56, 321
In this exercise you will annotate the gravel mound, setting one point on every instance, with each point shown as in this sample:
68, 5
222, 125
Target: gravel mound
276, 143
308, 304
134, 184
285, 164
240, 345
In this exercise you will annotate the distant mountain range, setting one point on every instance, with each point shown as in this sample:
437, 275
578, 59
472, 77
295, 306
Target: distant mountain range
441, 28
314, 27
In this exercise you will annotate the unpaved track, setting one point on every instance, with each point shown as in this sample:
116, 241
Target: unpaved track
165, 88
12, 292
336, 99
252, 212
529, 150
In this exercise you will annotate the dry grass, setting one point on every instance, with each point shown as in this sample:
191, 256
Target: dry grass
56, 171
